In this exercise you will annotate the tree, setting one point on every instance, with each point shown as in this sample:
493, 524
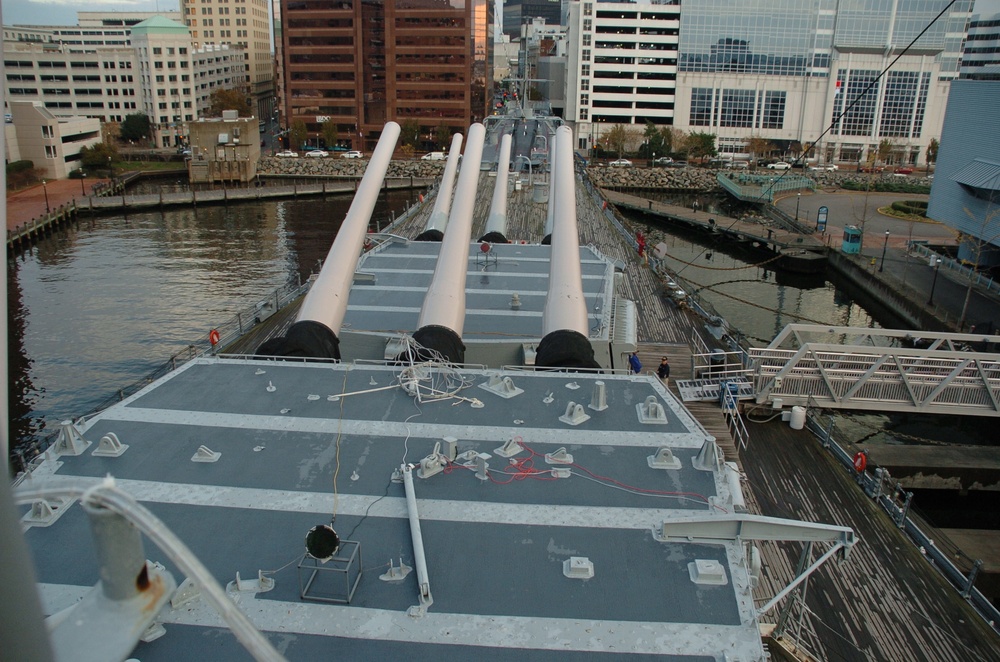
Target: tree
701, 145
409, 133
620, 137
98, 156
136, 127
671, 138
885, 149
442, 136
331, 133
297, 134
652, 143
758, 146
229, 99
932, 152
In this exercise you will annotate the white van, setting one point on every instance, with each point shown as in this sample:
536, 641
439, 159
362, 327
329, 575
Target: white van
433, 156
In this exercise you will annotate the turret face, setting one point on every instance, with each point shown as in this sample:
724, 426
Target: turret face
315, 331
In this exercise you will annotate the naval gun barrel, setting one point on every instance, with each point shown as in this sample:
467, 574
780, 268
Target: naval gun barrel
565, 329
314, 333
550, 211
438, 220
496, 222
442, 316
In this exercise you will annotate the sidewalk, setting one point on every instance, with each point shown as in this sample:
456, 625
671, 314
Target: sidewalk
28, 204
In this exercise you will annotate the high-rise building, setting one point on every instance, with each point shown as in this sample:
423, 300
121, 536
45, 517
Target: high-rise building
518, 12
359, 64
982, 48
784, 73
242, 23
157, 71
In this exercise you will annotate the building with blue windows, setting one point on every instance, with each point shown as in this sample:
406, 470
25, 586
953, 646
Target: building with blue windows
785, 70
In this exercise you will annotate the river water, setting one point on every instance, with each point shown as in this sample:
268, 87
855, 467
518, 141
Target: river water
99, 306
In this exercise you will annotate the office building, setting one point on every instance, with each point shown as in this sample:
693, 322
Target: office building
786, 74
360, 64
51, 143
982, 48
243, 24
518, 12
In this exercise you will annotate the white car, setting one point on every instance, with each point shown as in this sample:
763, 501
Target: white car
621, 163
287, 153
317, 154
353, 154
433, 156
780, 165
829, 167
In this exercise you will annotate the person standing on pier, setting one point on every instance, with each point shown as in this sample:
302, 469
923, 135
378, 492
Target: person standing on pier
663, 371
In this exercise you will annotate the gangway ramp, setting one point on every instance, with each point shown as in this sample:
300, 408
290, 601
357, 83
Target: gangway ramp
879, 370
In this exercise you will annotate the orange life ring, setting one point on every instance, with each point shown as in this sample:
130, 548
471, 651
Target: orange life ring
860, 461
213, 337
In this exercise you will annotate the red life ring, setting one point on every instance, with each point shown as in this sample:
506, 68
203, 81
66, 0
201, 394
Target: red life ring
860, 461
213, 337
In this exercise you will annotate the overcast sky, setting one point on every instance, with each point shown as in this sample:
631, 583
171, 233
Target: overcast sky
63, 12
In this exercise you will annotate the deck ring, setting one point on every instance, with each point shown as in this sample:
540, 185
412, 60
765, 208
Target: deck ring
860, 461
213, 337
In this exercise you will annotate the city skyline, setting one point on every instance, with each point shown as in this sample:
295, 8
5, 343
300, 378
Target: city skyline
63, 12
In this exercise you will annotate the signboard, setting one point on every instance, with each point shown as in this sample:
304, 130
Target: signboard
821, 215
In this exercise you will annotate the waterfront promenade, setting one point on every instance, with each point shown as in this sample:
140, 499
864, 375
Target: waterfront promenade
33, 203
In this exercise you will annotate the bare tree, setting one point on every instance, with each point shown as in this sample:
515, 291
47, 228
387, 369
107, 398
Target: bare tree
758, 146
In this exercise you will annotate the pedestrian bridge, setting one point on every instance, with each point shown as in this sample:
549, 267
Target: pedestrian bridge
879, 370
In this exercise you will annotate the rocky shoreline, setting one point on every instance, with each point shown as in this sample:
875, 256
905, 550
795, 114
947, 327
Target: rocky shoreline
344, 168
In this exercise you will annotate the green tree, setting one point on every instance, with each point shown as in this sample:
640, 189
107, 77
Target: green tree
617, 139
99, 155
442, 136
701, 145
135, 128
297, 134
671, 139
331, 133
885, 149
229, 99
652, 143
932, 151
758, 146
409, 133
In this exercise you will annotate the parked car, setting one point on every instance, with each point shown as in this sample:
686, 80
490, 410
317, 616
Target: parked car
287, 153
433, 156
662, 161
621, 163
780, 165
904, 170
828, 167
679, 164
318, 153
739, 165
866, 168
353, 154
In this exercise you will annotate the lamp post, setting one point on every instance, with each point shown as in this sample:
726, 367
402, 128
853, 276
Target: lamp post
83, 176
884, 244
45, 190
937, 266
798, 199
111, 172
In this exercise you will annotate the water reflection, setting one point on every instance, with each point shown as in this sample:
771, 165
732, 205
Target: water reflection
98, 306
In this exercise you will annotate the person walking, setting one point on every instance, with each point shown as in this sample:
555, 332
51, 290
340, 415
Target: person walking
634, 364
663, 371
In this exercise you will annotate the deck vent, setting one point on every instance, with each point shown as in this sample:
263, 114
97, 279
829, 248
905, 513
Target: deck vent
502, 386
109, 446
578, 567
70, 441
599, 396
574, 414
651, 412
663, 459
707, 571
